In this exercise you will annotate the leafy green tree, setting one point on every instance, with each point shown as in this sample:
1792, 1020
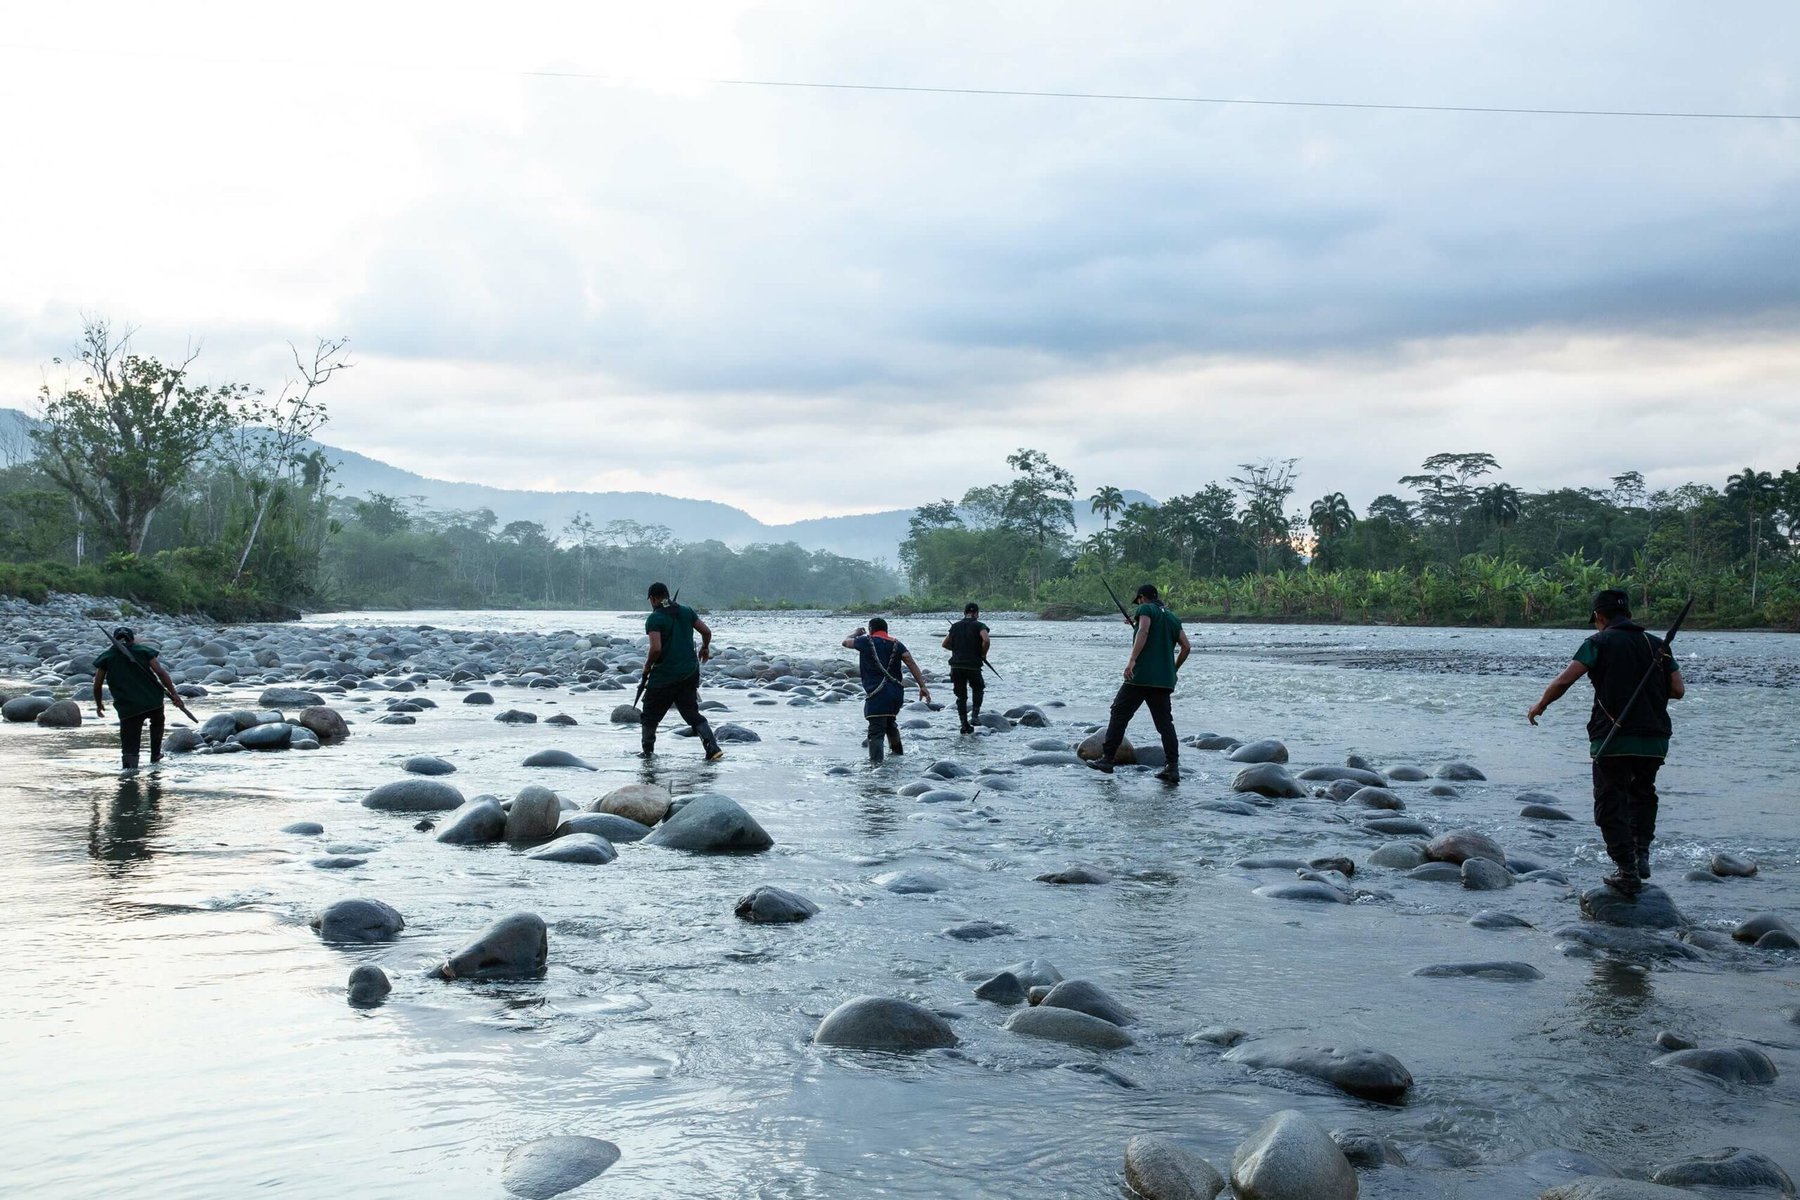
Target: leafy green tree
1040, 500
1755, 493
130, 434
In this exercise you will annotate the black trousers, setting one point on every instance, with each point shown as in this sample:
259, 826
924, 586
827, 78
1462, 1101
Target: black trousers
883, 727
1125, 706
131, 736
684, 698
1625, 805
967, 681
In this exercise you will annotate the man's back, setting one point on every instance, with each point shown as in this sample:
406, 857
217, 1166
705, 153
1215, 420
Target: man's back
965, 643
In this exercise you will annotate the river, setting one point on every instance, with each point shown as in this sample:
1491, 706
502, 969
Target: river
171, 1027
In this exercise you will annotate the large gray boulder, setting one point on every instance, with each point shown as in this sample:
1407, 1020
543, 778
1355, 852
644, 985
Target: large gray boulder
1728, 1168
64, 714
1263, 750
1459, 772
181, 740
326, 723
645, 803
358, 921
711, 825
551, 1166
476, 823
1649, 909
1737, 1064
1093, 745
534, 816
1499, 972
770, 905
1158, 1169
1082, 996
589, 848
1291, 1157
1067, 1025
1268, 779
1485, 875
287, 697
24, 709
277, 735
1368, 1074
414, 795
427, 764
558, 758
368, 986
514, 947
1459, 845
610, 826
883, 1023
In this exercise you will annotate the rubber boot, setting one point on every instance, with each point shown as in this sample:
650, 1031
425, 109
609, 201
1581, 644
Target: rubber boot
875, 742
1171, 772
1625, 880
962, 713
1103, 765
893, 738
1643, 860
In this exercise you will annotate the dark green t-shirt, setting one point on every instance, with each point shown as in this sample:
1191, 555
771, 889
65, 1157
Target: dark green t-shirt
1156, 663
675, 622
135, 690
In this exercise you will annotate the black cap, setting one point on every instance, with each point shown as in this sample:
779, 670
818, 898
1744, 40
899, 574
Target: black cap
658, 591
124, 634
971, 607
1612, 603
1147, 590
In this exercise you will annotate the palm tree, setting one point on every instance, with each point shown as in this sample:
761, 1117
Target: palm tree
1331, 516
1500, 505
1107, 501
1756, 491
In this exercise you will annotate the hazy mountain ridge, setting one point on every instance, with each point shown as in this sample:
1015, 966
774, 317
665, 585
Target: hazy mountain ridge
872, 536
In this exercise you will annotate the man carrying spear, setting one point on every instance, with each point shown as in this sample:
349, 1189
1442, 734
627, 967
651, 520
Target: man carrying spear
138, 684
1634, 677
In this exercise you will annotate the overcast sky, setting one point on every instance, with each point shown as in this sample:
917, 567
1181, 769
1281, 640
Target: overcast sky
808, 302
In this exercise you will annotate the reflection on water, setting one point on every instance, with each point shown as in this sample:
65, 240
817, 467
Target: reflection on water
123, 822
182, 1031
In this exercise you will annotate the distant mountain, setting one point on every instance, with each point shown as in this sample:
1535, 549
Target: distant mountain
875, 537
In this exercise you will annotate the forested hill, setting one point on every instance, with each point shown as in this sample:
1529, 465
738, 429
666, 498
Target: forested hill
873, 537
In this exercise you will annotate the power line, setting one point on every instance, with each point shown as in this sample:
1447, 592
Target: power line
922, 89
1162, 99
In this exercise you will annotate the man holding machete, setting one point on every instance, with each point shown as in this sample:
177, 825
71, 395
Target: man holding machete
1634, 677
138, 684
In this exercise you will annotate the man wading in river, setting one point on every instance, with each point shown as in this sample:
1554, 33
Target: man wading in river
1149, 680
672, 670
1619, 655
879, 658
138, 684
967, 643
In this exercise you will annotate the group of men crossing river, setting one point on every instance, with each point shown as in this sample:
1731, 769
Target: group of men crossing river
1634, 676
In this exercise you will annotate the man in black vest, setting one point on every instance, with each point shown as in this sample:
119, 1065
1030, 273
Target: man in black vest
968, 644
1619, 655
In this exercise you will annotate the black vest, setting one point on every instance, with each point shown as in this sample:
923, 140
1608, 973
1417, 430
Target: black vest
1624, 654
965, 643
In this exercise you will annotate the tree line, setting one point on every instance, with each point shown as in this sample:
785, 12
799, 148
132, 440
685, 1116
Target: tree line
1457, 544
142, 482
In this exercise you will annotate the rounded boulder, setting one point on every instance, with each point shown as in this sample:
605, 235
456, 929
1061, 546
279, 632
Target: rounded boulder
883, 1023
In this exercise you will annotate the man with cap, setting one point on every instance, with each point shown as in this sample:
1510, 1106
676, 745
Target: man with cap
879, 659
672, 670
138, 683
1150, 681
1618, 655
968, 643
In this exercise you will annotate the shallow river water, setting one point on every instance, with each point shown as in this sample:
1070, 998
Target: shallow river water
169, 1026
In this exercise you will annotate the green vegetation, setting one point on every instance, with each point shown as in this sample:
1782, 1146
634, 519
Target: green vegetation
1462, 549
142, 484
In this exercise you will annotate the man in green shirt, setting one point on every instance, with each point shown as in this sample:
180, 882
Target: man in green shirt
672, 670
138, 684
1149, 681
1619, 655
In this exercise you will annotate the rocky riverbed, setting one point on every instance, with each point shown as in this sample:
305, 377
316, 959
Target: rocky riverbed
406, 894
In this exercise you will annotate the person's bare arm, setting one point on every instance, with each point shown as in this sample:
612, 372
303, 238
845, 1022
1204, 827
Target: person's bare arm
1677, 688
946, 641
168, 685
1137, 646
1554, 692
99, 697
705, 632
850, 642
1187, 647
656, 648
924, 692
985, 643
